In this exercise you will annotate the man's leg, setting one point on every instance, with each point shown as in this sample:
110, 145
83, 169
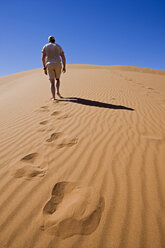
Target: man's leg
51, 74
58, 86
52, 82
58, 73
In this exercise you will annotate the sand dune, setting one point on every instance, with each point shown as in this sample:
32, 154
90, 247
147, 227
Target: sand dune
87, 171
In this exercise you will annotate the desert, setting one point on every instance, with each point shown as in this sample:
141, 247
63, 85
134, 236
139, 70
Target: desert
88, 170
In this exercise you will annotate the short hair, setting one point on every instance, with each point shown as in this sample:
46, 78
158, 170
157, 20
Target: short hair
51, 39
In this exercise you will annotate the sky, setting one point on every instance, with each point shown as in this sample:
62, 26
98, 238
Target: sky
100, 32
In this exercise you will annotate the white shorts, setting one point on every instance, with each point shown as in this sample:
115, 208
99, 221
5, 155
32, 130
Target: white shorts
54, 71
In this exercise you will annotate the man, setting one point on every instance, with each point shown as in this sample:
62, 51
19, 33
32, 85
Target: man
53, 53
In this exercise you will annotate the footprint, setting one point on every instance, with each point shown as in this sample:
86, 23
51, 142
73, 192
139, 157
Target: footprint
55, 113
50, 129
154, 138
67, 142
128, 79
30, 157
42, 130
44, 107
57, 196
53, 137
31, 170
63, 117
72, 210
43, 122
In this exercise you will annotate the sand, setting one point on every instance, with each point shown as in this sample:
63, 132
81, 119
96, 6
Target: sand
89, 170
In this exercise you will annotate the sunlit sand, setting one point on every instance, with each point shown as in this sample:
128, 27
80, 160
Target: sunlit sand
86, 171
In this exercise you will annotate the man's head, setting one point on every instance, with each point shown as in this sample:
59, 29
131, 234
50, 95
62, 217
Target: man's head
51, 39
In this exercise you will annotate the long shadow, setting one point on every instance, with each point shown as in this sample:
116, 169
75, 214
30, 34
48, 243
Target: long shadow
94, 103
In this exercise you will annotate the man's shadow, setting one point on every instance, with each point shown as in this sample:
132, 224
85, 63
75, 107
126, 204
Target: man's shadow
94, 103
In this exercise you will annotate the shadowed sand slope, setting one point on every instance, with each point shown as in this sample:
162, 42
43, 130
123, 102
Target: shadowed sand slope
86, 171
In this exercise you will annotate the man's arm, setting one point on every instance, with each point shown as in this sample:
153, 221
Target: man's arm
43, 61
63, 61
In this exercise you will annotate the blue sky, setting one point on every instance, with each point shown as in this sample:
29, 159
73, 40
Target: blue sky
91, 32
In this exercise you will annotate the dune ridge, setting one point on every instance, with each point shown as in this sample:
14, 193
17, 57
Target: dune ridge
87, 171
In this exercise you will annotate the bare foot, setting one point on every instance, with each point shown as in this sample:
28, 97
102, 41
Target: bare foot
58, 94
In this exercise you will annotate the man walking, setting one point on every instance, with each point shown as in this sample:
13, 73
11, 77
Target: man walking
53, 53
